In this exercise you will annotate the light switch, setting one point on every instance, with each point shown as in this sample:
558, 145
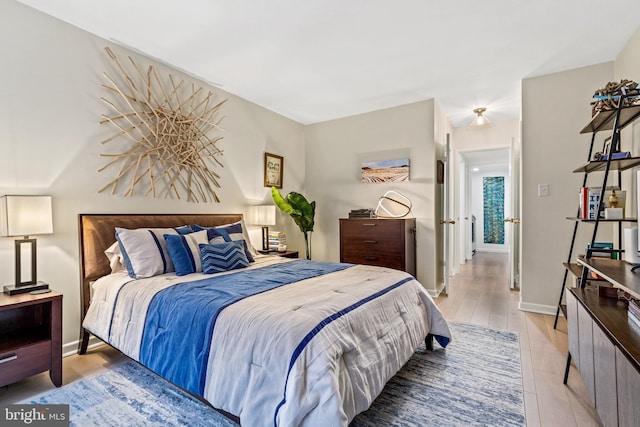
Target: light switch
543, 190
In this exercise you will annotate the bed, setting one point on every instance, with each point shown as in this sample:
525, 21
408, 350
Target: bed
278, 342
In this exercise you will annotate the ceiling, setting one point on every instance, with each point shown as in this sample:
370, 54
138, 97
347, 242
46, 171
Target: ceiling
318, 60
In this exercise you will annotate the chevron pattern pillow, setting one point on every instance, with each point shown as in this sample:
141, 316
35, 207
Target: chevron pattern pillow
219, 257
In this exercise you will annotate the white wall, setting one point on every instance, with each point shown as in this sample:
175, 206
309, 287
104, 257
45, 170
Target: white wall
50, 143
555, 108
336, 150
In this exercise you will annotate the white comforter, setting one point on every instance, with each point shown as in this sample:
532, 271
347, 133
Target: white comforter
251, 372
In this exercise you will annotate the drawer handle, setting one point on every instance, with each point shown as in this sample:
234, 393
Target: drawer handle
369, 225
8, 359
369, 241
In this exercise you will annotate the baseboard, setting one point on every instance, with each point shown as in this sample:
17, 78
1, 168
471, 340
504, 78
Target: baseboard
538, 308
436, 293
71, 348
493, 250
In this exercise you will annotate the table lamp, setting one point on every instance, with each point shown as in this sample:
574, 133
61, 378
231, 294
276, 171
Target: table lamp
264, 216
25, 216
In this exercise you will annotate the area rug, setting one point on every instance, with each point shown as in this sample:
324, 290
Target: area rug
475, 381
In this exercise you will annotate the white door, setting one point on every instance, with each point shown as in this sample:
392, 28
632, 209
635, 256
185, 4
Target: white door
446, 222
514, 223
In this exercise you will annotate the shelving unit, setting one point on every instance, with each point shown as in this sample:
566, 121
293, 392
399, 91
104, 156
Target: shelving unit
614, 121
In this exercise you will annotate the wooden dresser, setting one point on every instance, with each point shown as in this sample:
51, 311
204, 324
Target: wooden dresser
383, 242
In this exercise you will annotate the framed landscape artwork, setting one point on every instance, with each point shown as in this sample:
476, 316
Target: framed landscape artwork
273, 168
385, 171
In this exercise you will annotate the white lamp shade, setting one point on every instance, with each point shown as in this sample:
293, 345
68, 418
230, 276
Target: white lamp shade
25, 215
263, 215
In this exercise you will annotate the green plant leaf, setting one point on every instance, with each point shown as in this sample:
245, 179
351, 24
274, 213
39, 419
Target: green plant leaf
296, 205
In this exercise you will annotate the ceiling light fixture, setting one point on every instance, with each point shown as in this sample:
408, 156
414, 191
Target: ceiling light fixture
480, 120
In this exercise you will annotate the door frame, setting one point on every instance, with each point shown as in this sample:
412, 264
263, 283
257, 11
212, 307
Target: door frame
462, 194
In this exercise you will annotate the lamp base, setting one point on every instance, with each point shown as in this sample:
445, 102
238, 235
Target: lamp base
23, 289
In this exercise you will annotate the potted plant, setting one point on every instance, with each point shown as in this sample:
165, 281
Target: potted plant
302, 212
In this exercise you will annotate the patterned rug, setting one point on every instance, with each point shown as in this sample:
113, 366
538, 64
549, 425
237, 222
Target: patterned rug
476, 381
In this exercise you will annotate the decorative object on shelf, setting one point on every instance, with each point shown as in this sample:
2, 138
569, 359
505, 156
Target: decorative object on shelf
480, 120
302, 212
385, 171
613, 199
172, 130
273, 170
608, 97
264, 216
613, 213
393, 205
25, 216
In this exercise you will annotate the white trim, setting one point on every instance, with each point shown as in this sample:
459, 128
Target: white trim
437, 292
71, 348
538, 308
493, 250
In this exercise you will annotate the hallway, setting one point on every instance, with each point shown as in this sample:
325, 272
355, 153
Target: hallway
480, 294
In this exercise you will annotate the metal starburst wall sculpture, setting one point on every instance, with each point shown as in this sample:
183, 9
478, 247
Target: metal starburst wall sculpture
173, 132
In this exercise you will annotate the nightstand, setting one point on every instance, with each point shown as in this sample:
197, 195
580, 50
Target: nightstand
287, 254
30, 336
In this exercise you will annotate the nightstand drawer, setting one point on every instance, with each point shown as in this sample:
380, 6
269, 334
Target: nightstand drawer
374, 259
24, 361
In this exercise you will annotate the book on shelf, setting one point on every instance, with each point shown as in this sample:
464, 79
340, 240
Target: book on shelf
362, 213
589, 202
617, 156
633, 318
634, 308
276, 238
602, 250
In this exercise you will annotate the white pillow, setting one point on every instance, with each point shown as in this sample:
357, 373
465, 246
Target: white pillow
144, 251
115, 258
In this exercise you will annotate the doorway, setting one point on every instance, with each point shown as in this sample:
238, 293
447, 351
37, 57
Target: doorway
487, 201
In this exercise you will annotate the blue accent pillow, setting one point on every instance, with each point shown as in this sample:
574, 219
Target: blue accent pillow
185, 229
220, 257
184, 250
227, 233
144, 251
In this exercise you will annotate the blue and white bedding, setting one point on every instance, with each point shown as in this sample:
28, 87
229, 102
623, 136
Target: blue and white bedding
282, 342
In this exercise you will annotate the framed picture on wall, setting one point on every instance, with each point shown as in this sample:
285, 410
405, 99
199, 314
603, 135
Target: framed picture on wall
273, 168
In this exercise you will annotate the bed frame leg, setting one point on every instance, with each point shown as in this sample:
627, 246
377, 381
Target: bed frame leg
428, 342
84, 341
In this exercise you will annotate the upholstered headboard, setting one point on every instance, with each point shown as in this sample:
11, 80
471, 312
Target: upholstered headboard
97, 233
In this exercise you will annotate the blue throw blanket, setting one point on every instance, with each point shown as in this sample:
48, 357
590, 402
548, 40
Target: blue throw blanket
180, 319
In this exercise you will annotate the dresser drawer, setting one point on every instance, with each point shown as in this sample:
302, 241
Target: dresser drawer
374, 259
373, 245
383, 229
24, 361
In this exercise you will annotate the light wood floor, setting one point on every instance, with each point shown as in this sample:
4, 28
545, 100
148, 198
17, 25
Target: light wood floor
479, 294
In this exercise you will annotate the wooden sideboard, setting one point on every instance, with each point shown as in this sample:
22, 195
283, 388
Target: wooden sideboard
605, 345
383, 242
